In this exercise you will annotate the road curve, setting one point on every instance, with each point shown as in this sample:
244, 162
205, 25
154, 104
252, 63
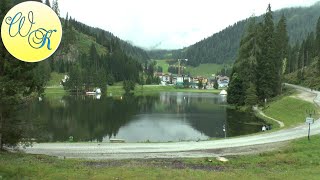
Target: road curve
176, 149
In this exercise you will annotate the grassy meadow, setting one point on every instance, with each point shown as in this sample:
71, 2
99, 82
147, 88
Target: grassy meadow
300, 159
205, 70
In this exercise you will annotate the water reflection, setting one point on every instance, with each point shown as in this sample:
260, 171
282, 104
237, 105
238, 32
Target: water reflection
157, 118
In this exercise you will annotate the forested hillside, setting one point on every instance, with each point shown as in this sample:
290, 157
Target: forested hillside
303, 65
266, 57
94, 58
222, 47
109, 40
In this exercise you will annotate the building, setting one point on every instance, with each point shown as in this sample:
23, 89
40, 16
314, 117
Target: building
223, 81
180, 79
165, 78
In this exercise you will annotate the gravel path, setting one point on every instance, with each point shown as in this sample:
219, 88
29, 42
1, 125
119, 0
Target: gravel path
239, 145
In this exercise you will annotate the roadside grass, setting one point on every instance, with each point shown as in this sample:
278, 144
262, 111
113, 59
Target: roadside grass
291, 111
300, 159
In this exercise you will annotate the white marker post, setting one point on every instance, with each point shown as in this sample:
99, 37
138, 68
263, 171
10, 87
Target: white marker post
310, 121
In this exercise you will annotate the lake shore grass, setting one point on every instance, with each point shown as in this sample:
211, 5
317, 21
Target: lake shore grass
139, 90
151, 89
55, 92
299, 159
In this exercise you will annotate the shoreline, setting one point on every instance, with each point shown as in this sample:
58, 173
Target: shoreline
172, 149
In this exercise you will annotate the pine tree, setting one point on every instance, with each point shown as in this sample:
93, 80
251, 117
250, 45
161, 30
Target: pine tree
245, 65
301, 58
48, 3
216, 85
55, 7
94, 57
200, 84
282, 44
75, 81
267, 75
251, 95
318, 38
19, 82
246, 62
236, 92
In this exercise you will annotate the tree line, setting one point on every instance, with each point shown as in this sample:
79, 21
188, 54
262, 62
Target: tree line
258, 70
222, 47
20, 82
305, 53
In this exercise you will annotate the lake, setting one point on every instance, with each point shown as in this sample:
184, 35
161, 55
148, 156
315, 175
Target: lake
164, 117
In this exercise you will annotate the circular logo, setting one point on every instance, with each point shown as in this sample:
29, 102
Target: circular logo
31, 31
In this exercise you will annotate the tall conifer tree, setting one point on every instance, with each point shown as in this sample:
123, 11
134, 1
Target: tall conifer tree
267, 73
282, 44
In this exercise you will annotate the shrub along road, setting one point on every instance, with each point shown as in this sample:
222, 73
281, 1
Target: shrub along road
239, 145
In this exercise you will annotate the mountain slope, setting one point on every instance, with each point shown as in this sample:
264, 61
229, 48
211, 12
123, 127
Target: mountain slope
110, 41
222, 47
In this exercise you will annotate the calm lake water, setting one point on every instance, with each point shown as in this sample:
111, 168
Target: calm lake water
155, 118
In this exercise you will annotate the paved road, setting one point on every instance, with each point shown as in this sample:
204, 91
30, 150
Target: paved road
307, 91
239, 145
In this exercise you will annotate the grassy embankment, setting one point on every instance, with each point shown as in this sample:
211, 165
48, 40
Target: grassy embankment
289, 109
299, 160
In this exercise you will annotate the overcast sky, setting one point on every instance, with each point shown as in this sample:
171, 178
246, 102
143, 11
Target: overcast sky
167, 24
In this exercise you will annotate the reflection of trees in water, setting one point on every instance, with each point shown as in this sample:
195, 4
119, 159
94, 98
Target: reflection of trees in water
86, 118
241, 123
202, 112
83, 118
147, 104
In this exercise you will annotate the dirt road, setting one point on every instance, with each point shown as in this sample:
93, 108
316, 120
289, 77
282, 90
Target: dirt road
240, 145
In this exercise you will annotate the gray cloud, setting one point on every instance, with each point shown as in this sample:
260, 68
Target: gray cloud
167, 24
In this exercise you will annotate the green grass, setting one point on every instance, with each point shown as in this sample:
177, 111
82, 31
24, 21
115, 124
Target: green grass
205, 70
55, 79
139, 90
290, 110
300, 159
53, 93
84, 43
163, 64
150, 89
